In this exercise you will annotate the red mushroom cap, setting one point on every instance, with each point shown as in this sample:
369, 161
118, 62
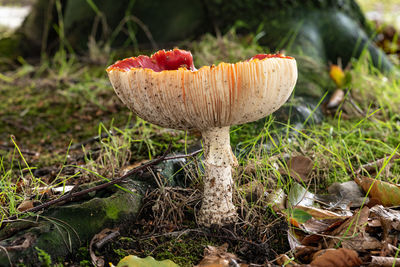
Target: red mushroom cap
162, 60
167, 90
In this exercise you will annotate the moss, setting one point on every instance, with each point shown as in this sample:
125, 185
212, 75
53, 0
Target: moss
62, 229
184, 252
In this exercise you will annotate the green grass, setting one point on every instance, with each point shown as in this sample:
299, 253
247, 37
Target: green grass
49, 108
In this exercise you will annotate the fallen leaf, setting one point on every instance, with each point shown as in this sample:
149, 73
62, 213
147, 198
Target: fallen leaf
300, 216
354, 224
349, 195
362, 242
351, 231
305, 253
299, 168
284, 260
134, 261
393, 216
322, 214
25, 205
336, 258
218, 257
386, 193
298, 195
276, 199
319, 226
316, 237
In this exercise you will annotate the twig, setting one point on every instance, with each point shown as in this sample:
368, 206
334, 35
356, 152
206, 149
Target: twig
72, 195
23, 151
194, 153
95, 188
106, 239
358, 109
91, 140
376, 164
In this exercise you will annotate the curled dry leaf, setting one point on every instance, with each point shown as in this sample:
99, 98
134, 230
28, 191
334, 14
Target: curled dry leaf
393, 216
341, 257
351, 229
385, 193
354, 224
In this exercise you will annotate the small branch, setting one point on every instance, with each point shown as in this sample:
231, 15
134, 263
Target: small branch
194, 153
23, 151
376, 164
91, 140
72, 194
68, 197
358, 109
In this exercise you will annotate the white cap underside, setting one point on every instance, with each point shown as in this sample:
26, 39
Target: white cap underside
224, 95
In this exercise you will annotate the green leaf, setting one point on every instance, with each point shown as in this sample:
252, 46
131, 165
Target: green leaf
133, 261
301, 216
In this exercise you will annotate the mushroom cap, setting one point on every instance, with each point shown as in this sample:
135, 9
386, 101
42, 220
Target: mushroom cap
213, 96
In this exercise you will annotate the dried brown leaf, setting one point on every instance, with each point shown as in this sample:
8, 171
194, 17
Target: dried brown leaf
386, 193
336, 258
385, 214
362, 242
284, 260
217, 257
25, 205
299, 167
354, 224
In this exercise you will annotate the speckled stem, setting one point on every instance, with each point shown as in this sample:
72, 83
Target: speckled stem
217, 207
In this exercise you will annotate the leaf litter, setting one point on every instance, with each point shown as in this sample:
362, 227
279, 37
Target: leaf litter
341, 228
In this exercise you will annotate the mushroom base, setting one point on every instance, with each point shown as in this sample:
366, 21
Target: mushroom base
217, 206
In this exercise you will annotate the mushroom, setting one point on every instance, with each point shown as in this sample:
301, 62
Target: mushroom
167, 90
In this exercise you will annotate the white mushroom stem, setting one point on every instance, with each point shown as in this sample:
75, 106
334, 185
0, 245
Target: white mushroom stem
217, 206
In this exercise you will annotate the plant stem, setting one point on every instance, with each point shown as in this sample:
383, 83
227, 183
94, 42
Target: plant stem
217, 206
